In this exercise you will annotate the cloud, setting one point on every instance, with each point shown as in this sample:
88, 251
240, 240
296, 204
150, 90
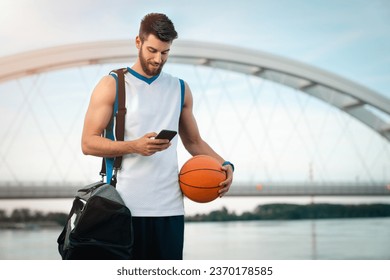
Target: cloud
334, 45
27, 25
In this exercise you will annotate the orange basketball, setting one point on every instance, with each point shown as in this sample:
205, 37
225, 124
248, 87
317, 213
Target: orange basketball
199, 178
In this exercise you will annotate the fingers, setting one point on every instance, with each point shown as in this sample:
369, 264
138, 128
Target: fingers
157, 147
227, 183
151, 146
151, 149
223, 191
150, 135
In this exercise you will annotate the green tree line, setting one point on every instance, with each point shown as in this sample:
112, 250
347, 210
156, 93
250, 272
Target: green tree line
25, 215
295, 211
262, 212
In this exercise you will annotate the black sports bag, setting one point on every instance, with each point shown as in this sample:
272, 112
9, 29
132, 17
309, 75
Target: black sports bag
99, 226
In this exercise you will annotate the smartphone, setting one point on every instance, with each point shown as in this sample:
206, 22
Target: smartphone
166, 134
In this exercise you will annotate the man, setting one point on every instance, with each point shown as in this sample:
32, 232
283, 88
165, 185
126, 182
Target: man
148, 180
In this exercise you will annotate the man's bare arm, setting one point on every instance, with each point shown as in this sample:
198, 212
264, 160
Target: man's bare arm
193, 142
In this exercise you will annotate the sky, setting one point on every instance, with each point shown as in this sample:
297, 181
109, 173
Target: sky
348, 38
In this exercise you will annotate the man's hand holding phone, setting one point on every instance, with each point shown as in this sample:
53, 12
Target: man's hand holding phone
151, 142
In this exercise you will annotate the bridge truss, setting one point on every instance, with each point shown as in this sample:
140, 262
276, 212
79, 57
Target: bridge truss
358, 102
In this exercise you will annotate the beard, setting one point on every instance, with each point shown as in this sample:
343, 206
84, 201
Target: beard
150, 68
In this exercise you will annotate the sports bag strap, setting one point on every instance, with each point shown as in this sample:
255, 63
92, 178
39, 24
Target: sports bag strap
103, 169
77, 206
119, 118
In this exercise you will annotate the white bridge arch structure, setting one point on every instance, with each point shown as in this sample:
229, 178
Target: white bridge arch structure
364, 104
361, 103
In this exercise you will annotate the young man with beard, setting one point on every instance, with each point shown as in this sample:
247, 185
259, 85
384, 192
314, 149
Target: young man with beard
148, 180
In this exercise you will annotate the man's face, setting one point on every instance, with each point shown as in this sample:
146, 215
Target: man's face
153, 53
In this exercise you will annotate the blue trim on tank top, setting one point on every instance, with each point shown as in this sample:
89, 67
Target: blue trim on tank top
182, 91
142, 78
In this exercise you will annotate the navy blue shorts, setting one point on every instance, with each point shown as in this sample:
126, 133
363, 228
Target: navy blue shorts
158, 238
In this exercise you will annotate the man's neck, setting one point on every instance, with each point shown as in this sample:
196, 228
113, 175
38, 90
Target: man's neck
138, 68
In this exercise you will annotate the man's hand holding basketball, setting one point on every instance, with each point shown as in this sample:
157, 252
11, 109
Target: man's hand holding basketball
229, 179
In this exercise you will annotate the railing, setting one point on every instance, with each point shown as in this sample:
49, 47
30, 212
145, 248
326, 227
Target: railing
312, 189
68, 189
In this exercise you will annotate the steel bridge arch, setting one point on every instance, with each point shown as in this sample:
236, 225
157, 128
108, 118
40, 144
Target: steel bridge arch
364, 104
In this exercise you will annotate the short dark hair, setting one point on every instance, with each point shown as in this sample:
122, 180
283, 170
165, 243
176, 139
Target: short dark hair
159, 25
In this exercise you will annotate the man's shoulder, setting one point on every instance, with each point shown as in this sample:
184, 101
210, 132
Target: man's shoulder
105, 90
168, 76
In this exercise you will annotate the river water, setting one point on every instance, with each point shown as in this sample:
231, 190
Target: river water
328, 239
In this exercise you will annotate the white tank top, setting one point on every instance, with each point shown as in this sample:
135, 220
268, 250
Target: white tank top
149, 184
